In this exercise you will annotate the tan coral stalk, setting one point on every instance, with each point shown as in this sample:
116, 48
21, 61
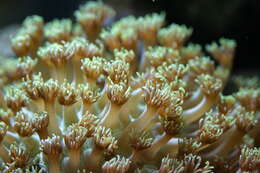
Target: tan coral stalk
130, 105
127, 56
96, 155
55, 56
139, 142
29, 37
174, 36
39, 104
118, 72
155, 96
191, 51
4, 153
144, 119
90, 122
91, 17
103, 141
233, 137
77, 49
172, 127
89, 95
58, 30
111, 115
3, 150
24, 127
19, 155
75, 137
40, 122
223, 53
195, 98
244, 123
158, 143
15, 99
211, 87
80, 48
6, 116
31, 85
118, 95
194, 113
68, 96
249, 159
52, 148
148, 27
53, 127
92, 69
48, 92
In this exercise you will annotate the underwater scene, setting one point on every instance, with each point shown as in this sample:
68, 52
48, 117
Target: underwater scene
111, 86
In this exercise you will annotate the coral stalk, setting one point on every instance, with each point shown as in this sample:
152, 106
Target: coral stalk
194, 113
53, 127
110, 119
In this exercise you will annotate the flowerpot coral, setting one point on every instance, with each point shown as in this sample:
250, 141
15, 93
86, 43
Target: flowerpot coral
92, 95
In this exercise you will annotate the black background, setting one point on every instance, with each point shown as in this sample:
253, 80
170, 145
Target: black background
211, 19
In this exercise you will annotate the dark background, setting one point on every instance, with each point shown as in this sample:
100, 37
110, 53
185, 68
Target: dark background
211, 19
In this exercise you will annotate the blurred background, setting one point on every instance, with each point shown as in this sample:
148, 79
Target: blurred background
211, 19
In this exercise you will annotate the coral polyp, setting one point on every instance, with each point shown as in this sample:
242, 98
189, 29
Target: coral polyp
133, 95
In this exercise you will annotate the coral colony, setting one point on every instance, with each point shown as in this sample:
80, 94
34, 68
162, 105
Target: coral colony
132, 96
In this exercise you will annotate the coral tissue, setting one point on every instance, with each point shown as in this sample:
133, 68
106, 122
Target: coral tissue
134, 95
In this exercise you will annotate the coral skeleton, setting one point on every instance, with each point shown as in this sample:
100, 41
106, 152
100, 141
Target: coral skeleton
88, 95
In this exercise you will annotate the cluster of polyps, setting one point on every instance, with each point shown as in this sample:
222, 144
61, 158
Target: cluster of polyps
131, 96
